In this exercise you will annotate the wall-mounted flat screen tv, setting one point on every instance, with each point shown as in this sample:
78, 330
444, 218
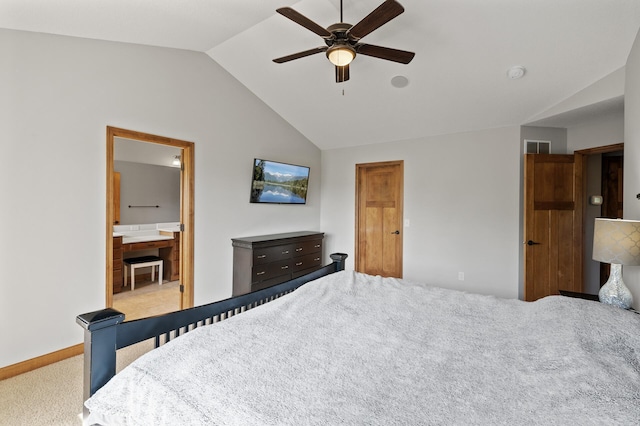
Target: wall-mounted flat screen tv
279, 183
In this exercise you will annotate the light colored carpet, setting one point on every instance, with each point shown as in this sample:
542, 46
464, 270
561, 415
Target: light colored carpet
52, 395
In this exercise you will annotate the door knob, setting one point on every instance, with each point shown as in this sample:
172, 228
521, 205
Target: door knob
532, 243
397, 232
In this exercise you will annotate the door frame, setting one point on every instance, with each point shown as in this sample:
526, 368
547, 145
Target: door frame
187, 194
399, 256
584, 153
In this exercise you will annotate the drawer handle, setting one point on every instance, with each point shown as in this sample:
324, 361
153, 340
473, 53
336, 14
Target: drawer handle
299, 263
262, 256
317, 259
284, 267
260, 273
285, 252
299, 249
151, 245
317, 246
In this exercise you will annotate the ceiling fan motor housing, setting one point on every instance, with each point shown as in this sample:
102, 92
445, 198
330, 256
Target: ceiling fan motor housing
341, 49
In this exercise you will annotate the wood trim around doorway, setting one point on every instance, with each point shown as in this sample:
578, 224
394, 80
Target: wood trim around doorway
602, 149
187, 194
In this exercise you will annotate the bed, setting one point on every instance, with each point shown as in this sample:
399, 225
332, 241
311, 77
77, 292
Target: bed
348, 348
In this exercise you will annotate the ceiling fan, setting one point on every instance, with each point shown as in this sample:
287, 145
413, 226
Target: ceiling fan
343, 40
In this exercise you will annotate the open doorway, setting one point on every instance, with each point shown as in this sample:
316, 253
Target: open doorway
573, 190
603, 198
158, 230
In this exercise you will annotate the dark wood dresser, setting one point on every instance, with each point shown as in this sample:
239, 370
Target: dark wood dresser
266, 260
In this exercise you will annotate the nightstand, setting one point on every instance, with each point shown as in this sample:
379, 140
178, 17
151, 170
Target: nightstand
588, 297
579, 295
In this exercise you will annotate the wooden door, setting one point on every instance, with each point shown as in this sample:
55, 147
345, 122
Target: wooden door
553, 197
379, 197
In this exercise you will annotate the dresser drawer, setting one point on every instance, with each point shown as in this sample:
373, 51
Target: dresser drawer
147, 245
307, 247
268, 283
272, 254
270, 270
117, 263
116, 270
309, 261
176, 246
118, 279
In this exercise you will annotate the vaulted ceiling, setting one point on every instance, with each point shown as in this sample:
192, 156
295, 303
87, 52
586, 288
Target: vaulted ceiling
456, 82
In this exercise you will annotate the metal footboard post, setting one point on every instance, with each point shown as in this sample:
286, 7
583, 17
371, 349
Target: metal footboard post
339, 260
99, 348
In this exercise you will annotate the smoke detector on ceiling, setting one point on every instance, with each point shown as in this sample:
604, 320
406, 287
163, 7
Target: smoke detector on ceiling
516, 72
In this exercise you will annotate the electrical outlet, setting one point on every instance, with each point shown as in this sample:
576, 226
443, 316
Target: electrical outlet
461, 276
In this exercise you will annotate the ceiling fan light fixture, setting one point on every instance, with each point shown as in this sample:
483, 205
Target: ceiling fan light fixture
341, 55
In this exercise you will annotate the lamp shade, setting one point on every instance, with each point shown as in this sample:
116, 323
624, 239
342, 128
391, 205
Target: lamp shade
617, 241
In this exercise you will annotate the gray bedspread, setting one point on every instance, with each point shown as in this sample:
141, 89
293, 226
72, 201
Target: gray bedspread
350, 349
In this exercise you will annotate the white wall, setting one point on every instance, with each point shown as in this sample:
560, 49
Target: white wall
148, 185
604, 90
632, 157
58, 96
461, 195
607, 129
557, 136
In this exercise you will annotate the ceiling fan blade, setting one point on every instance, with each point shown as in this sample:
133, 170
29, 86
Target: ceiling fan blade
300, 19
380, 16
395, 55
300, 55
342, 73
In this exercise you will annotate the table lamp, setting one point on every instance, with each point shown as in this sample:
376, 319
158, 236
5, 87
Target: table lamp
616, 241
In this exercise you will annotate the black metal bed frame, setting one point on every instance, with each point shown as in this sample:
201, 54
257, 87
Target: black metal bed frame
105, 330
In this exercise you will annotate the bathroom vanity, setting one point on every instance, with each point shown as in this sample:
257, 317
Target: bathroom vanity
161, 238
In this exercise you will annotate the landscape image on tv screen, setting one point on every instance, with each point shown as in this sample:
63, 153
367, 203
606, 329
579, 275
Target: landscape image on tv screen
279, 183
